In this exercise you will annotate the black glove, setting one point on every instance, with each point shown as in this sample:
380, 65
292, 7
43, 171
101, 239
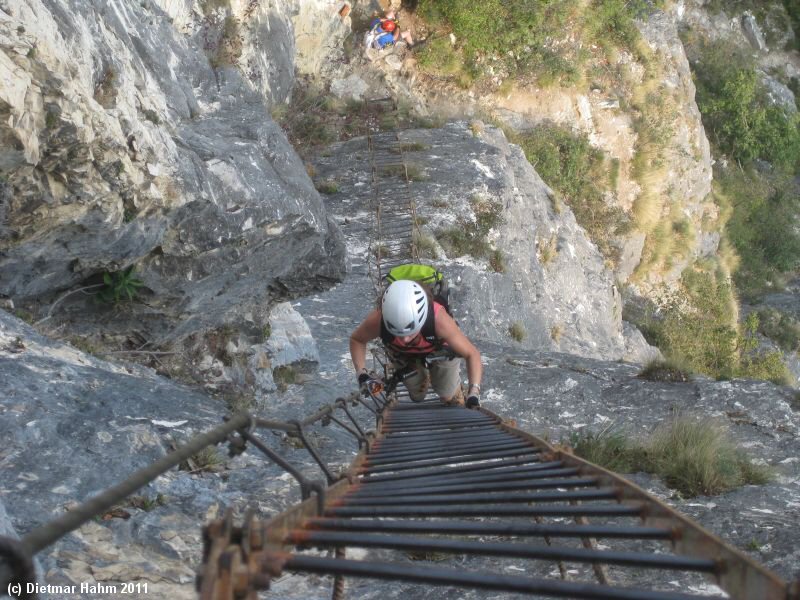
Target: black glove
472, 402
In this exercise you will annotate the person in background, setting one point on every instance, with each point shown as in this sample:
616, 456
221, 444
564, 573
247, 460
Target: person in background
385, 31
391, 17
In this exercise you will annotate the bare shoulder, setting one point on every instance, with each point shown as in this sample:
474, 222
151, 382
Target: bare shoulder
369, 328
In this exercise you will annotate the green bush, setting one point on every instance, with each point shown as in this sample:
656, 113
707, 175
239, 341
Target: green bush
515, 32
578, 172
120, 286
762, 228
755, 363
327, 187
737, 113
695, 326
518, 32
612, 20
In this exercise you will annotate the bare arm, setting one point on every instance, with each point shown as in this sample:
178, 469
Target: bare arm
369, 329
447, 330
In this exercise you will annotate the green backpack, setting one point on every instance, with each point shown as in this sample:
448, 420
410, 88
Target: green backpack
426, 275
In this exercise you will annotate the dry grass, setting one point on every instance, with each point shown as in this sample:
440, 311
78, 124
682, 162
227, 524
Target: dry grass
698, 457
695, 457
207, 460
425, 246
517, 331
497, 261
548, 250
670, 370
284, 376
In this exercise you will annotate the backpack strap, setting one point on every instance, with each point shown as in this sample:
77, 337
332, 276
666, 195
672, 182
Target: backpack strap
429, 328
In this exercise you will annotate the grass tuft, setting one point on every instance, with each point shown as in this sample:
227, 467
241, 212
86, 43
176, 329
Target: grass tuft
327, 187
497, 261
665, 370
470, 237
284, 377
610, 449
517, 331
425, 246
697, 457
548, 250
208, 460
693, 456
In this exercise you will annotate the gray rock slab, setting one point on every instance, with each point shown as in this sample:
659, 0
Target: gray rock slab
567, 303
753, 33
168, 165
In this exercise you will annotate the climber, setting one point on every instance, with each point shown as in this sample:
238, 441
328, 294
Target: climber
384, 32
418, 333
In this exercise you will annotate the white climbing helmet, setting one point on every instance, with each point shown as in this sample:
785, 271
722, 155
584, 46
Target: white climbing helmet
404, 308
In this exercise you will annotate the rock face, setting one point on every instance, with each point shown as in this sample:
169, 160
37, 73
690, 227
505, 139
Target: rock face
122, 146
74, 425
554, 281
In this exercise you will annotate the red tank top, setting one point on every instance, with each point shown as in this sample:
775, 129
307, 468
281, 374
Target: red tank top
418, 346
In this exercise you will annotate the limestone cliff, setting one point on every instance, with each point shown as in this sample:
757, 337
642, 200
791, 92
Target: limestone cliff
122, 146
553, 282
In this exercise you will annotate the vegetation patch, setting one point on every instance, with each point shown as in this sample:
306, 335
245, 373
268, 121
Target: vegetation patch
762, 227
413, 147
470, 237
696, 326
781, 328
206, 460
239, 401
737, 112
580, 175
146, 503
120, 286
314, 118
548, 250
497, 261
517, 331
610, 449
696, 457
515, 39
381, 251
284, 377
665, 370
425, 245
106, 89
327, 187
151, 116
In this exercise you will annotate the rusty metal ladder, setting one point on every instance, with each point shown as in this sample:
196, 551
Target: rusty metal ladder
434, 471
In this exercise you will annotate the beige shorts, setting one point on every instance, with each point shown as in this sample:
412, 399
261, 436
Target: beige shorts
444, 375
